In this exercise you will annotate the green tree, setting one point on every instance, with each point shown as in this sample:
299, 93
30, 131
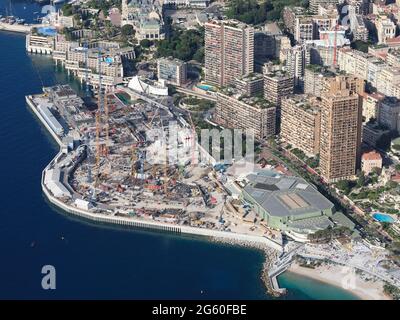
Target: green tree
127, 30
361, 180
199, 55
183, 44
360, 45
67, 10
391, 184
344, 185
376, 171
146, 43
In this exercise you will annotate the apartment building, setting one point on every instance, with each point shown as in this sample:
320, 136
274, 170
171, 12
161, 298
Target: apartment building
370, 161
372, 132
393, 57
370, 105
385, 28
301, 123
282, 47
314, 76
107, 59
304, 29
314, 4
324, 22
357, 25
250, 85
173, 71
289, 15
246, 113
229, 51
341, 119
39, 44
364, 66
297, 59
388, 81
389, 113
267, 42
277, 84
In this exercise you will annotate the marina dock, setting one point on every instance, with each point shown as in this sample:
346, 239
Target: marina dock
20, 28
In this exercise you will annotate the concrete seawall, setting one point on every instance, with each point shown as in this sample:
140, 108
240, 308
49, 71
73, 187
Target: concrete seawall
154, 225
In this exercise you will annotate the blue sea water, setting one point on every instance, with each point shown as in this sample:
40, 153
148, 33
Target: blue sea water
97, 261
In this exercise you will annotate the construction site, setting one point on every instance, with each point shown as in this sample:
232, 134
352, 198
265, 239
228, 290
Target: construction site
128, 157
129, 154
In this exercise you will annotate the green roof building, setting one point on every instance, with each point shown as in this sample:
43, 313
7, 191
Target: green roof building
288, 204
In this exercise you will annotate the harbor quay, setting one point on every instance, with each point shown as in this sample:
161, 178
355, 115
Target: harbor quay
20, 28
15, 27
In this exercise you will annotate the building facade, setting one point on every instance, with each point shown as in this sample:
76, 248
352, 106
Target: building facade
389, 113
301, 123
341, 119
173, 71
250, 85
235, 112
369, 161
314, 76
304, 29
277, 84
229, 51
370, 105
385, 28
297, 59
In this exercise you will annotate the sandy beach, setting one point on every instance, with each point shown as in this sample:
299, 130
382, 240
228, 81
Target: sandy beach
342, 277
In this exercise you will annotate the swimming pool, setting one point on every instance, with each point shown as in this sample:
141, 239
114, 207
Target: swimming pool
381, 217
204, 87
47, 31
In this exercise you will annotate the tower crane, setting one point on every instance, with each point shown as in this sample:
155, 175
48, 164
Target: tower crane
133, 161
335, 46
87, 89
106, 125
100, 110
193, 140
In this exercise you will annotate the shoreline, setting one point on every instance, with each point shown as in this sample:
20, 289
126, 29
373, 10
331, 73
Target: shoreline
334, 275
